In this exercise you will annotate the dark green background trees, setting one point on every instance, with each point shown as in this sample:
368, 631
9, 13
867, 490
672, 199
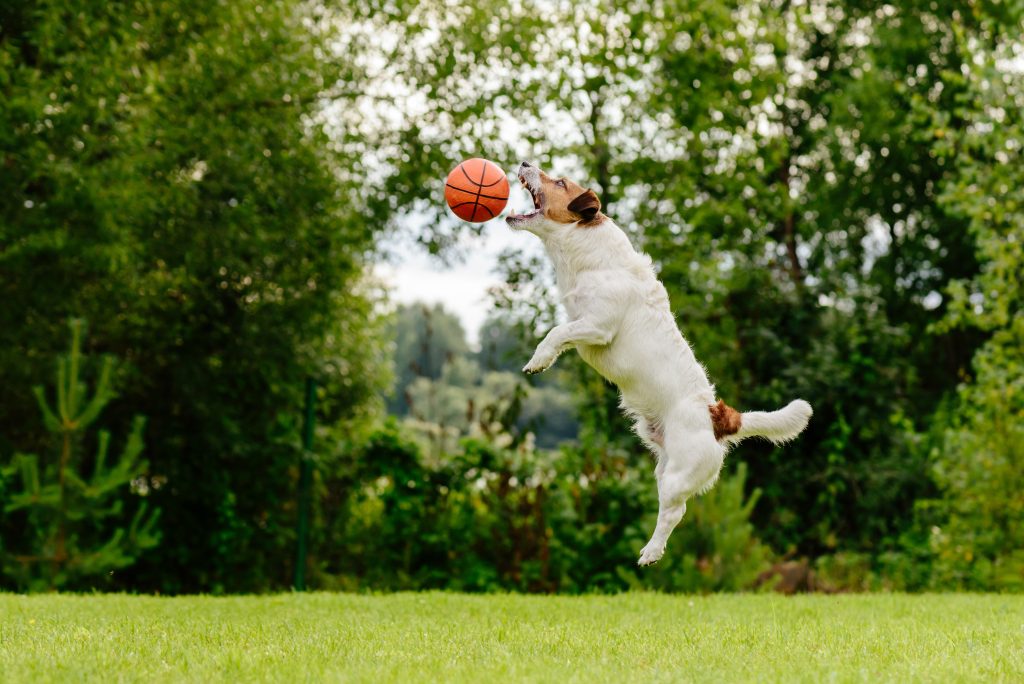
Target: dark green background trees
166, 176
799, 174
830, 192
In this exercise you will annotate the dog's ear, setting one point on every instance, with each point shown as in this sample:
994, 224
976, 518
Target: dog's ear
586, 205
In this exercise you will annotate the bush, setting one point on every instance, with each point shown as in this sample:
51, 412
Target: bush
498, 516
67, 527
978, 537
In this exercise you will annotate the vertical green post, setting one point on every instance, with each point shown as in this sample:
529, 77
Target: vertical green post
305, 480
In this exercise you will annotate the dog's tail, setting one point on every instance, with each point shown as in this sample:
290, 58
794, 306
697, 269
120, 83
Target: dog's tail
778, 427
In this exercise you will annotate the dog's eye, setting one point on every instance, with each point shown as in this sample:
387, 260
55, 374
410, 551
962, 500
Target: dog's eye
560, 183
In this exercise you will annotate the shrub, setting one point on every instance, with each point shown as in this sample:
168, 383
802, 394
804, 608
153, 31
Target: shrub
67, 509
502, 516
978, 537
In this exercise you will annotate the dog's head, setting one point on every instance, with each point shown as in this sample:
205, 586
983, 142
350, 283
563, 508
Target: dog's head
558, 203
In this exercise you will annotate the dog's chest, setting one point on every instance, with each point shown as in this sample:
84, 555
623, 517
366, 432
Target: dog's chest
574, 304
594, 296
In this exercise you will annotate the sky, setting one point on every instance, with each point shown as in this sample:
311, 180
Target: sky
412, 275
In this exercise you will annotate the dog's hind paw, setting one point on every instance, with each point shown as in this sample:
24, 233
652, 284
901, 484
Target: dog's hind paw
650, 555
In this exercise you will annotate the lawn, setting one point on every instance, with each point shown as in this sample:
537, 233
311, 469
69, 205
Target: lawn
452, 637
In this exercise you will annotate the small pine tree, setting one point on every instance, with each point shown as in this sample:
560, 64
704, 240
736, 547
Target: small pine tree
73, 518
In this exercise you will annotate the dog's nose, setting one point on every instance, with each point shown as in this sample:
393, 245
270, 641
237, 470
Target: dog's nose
525, 164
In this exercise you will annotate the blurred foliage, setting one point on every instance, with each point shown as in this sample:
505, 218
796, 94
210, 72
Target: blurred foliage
448, 392
791, 169
66, 510
493, 516
830, 191
165, 173
460, 494
426, 338
978, 536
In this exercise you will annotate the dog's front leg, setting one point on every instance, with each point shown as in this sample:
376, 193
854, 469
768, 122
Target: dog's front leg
562, 337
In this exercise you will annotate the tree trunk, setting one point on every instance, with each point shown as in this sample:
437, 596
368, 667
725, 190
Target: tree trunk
787, 228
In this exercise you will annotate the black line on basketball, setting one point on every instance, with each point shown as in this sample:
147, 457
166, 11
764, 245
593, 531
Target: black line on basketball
456, 187
479, 189
482, 206
482, 175
465, 173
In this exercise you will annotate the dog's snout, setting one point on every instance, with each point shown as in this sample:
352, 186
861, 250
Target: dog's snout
527, 172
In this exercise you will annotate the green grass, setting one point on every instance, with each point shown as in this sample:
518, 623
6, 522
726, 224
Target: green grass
452, 637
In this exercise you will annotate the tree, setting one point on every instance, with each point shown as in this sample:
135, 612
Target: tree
449, 392
426, 338
978, 529
505, 344
71, 511
776, 162
168, 173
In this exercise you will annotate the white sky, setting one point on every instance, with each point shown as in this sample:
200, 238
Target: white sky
412, 275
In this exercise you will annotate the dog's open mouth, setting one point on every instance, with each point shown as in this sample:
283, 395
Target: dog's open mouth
538, 204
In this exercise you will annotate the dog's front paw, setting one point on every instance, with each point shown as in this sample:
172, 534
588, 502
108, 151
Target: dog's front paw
650, 555
538, 364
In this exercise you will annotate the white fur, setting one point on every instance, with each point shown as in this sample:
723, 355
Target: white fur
778, 427
621, 323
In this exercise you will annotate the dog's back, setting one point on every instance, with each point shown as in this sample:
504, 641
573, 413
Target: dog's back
606, 279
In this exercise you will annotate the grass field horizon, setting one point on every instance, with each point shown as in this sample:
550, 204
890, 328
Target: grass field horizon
457, 637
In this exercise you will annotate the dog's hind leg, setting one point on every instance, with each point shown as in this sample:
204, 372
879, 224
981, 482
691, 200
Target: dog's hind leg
690, 462
671, 509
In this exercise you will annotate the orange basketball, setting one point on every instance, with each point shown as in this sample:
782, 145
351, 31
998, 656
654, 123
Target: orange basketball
476, 190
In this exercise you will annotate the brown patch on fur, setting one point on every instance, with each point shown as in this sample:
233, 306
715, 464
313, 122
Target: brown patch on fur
725, 419
569, 202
